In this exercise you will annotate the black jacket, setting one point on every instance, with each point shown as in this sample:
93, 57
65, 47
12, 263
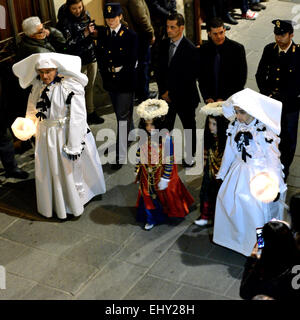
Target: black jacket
255, 282
180, 78
233, 69
161, 8
73, 30
280, 76
120, 51
54, 43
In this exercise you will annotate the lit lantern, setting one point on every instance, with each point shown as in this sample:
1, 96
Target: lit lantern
23, 128
264, 186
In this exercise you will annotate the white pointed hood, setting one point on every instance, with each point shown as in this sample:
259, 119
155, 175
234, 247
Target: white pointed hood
259, 106
68, 65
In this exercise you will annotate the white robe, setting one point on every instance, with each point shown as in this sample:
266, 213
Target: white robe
63, 185
238, 213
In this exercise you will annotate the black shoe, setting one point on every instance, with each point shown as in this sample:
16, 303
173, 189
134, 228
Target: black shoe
262, 6
229, 19
17, 173
227, 28
188, 165
255, 7
93, 118
116, 166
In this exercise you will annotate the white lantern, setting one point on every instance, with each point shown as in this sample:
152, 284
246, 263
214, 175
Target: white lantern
23, 128
264, 186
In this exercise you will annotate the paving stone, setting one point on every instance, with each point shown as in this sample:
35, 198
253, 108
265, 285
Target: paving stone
116, 224
152, 288
251, 83
51, 237
10, 251
196, 271
6, 220
225, 255
39, 292
50, 270
234, 291
196, 241
19, 197
146, 247
113, 282
190, 293
92, 251
16, 287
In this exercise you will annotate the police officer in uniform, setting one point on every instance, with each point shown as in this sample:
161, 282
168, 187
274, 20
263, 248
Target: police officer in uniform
278, 76
117, 60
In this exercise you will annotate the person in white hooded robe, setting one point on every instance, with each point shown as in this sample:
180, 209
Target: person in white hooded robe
68, 171
251, 150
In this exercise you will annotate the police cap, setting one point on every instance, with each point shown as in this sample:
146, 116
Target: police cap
111, 10
283, 26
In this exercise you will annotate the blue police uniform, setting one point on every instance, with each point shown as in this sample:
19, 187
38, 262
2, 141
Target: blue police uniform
114, 52
117, 61
278, 76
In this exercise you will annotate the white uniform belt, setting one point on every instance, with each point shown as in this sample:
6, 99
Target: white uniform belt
55, 123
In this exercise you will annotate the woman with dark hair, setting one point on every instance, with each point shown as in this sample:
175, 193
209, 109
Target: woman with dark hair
77, 27
271, 273
214, 145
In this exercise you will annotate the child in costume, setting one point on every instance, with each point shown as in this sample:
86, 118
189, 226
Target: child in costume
162, 195
214, 145
251, 171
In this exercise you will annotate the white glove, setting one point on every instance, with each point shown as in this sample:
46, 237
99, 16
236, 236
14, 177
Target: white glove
163, 184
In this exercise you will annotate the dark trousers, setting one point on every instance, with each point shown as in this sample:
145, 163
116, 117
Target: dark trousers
7, 151
123, 107
288, 136
214, 8
187, 118
143, 78
244, 5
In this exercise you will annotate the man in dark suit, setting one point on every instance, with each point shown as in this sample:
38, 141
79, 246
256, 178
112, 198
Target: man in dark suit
278, 76
176, 78
117, 60
223, 64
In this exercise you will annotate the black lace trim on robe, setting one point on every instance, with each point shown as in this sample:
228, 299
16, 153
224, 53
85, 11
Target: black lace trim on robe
44, 104
242, 140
